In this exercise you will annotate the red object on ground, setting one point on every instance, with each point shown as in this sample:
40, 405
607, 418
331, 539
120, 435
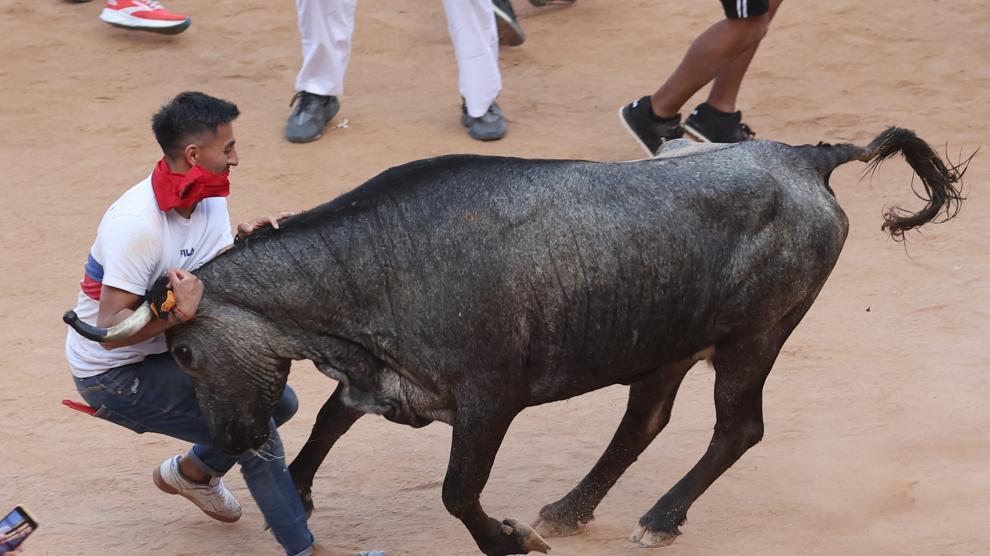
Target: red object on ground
79, 407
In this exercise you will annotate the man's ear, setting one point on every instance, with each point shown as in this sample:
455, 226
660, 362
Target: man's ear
191, 154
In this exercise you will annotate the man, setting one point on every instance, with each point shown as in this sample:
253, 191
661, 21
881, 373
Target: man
327, 27
172, 222
720, 55
143, 15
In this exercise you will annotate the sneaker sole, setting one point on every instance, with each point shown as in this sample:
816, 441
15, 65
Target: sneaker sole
695, 134
466, 122
302, 141
510, 33
126, 21
485, 138
156, 476
635, 136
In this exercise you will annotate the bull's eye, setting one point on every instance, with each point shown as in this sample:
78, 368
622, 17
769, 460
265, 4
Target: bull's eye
183, 355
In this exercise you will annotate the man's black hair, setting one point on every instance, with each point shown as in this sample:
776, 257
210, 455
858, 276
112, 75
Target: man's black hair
188, 114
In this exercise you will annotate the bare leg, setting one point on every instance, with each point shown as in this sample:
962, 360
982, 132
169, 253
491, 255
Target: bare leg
476, 440
647, 413
710, 53
725, 89
332, 422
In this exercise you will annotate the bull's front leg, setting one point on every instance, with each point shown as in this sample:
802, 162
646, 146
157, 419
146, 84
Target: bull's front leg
332, 422
476, 440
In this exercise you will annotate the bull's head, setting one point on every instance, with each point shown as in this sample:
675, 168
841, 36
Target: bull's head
230, 353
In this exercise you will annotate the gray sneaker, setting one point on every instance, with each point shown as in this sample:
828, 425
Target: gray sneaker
310, 116
490, 126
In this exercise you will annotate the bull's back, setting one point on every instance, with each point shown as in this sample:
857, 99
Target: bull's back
599, 271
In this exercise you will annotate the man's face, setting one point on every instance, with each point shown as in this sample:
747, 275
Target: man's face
216, 151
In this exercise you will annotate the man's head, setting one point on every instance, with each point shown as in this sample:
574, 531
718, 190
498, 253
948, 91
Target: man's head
195, 129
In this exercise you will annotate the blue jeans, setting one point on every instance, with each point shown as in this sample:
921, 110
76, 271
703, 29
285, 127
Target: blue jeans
156, 395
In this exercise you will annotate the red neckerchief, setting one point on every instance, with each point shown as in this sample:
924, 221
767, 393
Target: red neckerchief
185, 190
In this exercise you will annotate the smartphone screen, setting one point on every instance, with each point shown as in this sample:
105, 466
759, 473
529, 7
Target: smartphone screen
14, 528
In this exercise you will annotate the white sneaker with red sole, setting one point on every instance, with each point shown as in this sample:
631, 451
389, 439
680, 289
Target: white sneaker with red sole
144, 15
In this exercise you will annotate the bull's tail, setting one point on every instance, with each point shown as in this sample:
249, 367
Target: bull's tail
943, 182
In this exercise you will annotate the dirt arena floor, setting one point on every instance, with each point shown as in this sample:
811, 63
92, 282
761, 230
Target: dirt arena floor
876, 412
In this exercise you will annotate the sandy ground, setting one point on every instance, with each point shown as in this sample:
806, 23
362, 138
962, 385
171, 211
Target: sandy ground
876, 411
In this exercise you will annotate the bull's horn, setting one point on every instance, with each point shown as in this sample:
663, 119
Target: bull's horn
138, 319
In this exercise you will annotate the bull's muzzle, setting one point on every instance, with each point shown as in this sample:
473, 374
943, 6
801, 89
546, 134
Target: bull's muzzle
138, 320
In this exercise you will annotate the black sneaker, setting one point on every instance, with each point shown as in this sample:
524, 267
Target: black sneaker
708, 125
510, 33
650, 130
310, 116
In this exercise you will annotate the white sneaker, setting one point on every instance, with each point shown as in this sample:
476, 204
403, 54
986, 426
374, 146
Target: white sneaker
213, 498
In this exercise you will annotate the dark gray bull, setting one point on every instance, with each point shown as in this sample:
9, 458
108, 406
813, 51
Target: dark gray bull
464, 289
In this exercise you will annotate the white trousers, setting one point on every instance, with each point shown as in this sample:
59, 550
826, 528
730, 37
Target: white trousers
327, 26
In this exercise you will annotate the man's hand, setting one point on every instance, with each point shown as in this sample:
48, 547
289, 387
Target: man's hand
249, 227
188, 291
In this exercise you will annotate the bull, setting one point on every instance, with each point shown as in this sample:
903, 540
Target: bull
464, 289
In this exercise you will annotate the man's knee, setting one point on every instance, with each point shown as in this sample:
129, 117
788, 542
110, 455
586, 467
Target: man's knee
286, 407
751, 30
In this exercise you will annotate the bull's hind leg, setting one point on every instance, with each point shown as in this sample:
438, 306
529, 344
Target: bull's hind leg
477, 437
332, 422
647, 413
741, 369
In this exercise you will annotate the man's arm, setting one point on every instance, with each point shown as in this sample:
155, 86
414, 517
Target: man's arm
116, 305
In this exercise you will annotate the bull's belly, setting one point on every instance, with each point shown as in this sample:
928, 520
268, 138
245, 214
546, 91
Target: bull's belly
562, 385
410, 404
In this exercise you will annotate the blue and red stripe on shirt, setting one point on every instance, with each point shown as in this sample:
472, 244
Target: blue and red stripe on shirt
92, 281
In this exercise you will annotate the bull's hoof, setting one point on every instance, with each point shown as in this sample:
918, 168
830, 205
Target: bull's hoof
527, 539
646, 538
549, 527
307, 500
306, 497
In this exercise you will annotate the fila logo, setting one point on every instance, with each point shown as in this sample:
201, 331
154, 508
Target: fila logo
187, 252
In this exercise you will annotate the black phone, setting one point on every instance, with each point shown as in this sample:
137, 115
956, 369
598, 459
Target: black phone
15, 527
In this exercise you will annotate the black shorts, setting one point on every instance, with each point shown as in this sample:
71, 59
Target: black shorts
741, 9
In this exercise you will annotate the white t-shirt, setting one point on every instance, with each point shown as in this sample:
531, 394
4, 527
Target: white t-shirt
135, 243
